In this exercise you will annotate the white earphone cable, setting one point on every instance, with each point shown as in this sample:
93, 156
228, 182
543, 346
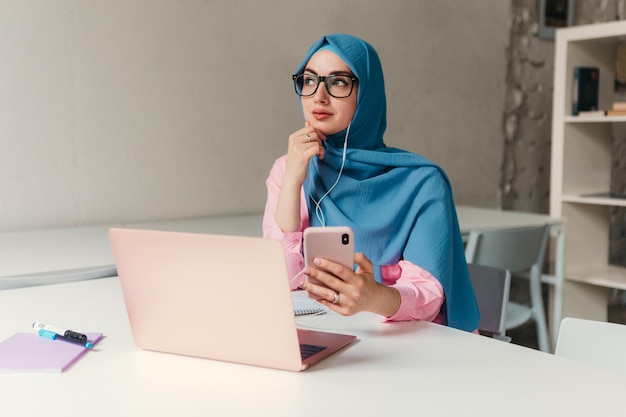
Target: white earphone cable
318, 209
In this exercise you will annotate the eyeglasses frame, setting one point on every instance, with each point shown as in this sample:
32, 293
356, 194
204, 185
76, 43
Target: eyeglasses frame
322, 79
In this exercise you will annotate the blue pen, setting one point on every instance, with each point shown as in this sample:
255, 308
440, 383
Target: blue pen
55, 336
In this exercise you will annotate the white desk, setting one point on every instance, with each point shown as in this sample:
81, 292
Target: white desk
35, 257
395, 368
477, 218
36, 252
71, 254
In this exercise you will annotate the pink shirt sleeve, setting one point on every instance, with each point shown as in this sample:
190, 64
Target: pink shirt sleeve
421, 294
292, 242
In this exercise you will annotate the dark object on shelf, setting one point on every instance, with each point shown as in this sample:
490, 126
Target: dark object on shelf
554, 14
585, 93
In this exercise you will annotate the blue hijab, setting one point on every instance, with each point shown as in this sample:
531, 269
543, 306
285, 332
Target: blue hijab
399, 204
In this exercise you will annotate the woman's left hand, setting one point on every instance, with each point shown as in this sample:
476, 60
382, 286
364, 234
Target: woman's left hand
348, 292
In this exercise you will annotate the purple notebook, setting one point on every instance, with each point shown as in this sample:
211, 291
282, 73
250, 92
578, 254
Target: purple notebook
31, 353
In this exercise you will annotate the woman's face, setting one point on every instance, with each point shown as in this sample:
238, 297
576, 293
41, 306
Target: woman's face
327, 113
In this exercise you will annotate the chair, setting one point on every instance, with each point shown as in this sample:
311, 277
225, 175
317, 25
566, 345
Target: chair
595, 342
491, 286
518, 251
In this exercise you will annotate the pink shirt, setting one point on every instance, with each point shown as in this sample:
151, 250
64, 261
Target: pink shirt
421, 294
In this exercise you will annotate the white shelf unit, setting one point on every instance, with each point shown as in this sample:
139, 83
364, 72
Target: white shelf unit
581, 169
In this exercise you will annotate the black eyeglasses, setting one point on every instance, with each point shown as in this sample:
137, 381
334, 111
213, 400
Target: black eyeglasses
337, 85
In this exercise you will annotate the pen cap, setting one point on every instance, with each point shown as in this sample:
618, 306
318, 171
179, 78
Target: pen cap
47, 334
79, 337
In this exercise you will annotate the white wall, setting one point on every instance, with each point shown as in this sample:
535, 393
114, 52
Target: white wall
125, 110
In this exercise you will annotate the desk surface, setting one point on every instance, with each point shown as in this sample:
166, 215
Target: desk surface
38, 252
53, 251
477, 218
414, 367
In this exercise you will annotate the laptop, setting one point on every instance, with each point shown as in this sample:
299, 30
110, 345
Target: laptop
217, 297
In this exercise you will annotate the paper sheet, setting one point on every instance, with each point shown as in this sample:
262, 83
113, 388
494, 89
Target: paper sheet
31, 353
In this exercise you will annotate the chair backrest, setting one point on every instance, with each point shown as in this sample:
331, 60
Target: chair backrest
491, 286
595, 342
515, 250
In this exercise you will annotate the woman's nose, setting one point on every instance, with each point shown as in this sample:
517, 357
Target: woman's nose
321, 95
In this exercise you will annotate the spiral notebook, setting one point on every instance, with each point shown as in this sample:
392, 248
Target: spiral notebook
305, 306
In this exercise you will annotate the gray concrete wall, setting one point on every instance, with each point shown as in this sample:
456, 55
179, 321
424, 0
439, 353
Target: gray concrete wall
126, 110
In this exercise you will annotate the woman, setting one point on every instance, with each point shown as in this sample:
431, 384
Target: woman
409, 258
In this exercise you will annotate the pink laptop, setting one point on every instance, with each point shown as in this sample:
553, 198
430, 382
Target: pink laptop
217, 297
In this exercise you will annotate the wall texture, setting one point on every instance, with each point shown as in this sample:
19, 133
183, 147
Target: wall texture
527, 114
127, 110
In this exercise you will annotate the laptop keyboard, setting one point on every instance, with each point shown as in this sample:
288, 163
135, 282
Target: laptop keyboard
306, 351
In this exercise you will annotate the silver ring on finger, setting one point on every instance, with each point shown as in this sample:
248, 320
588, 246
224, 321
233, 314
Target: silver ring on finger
308, 137
336, 299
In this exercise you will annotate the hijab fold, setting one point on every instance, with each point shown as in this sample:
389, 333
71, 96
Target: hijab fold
399, 204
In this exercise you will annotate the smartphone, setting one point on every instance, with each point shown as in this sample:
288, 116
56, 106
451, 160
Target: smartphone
335, 243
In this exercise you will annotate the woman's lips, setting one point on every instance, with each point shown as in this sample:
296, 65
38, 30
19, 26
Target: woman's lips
321, 115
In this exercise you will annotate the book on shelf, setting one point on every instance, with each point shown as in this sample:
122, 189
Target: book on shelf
585, 93
592, 113
620, 68
612, 112
619, 105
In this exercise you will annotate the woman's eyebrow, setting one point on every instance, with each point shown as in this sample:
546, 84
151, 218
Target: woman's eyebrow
339, 72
